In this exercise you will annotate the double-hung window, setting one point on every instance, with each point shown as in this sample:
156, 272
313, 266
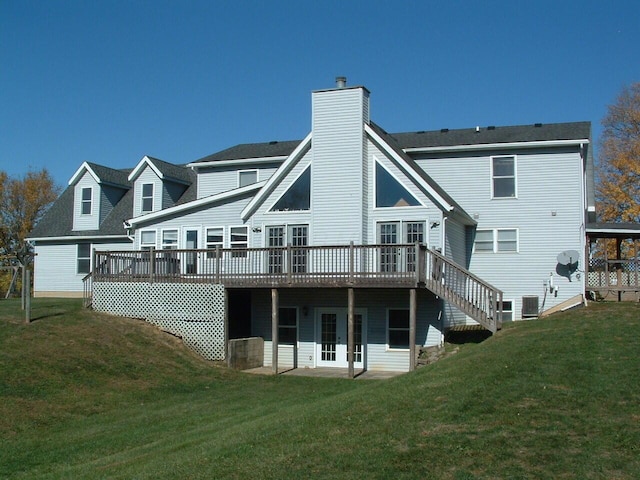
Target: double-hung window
84, 258
398, 328
214, 240
239, 239
147, 197
87, 199
169, 239
496, 240
503, 177
147, 239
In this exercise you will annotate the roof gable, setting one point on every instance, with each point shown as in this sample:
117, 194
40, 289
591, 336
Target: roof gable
163, 170
441, 198
102, 175
277, 177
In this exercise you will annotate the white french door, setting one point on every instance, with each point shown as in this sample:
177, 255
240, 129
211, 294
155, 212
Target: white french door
331, 343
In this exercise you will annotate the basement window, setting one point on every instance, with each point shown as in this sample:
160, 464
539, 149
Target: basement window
398, 329
287, 326
507, 310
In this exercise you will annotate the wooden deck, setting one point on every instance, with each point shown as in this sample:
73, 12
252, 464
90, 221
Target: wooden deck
346, 266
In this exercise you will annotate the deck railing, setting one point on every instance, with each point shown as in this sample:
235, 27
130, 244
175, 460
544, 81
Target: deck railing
614, 274
389, 266
373, 265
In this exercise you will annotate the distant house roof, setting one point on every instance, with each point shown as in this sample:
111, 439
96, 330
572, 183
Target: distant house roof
613, 230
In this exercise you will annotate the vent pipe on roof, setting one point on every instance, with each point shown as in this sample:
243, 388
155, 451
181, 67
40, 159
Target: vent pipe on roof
341, 82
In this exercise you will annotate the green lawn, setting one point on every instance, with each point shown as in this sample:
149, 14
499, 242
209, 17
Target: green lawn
84, 395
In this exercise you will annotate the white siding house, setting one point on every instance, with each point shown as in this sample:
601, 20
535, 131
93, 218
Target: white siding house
463, 218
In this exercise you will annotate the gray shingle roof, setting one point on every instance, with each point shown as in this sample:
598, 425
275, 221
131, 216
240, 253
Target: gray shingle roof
253, 150
488, 135
434, 138
111, 175
58, 220
172, 171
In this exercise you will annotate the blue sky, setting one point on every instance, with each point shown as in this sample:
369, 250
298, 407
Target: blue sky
112, 81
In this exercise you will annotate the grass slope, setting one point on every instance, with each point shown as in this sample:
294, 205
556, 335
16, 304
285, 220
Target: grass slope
84, 395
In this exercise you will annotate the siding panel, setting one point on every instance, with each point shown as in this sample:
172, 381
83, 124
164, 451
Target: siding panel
548, 213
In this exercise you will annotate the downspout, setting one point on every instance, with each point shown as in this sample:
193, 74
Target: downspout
443, 244
127, 227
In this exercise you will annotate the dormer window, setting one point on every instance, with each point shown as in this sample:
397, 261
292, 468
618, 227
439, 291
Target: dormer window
147, 197
87, 197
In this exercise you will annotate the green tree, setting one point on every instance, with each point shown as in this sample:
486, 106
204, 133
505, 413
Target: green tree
618, 191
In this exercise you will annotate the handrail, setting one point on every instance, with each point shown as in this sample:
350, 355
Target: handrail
466, 291
87, 287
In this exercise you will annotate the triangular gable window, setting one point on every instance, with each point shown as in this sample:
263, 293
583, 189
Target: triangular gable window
298, 196
390, 193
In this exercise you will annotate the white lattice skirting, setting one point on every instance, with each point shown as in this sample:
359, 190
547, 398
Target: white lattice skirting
193, 311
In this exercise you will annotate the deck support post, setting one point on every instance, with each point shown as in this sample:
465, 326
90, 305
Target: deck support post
351, 332
412, 328
619, 268
274, 330
226, 327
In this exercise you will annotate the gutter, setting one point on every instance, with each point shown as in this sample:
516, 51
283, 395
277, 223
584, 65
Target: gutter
240, 161
494, 146
74, 237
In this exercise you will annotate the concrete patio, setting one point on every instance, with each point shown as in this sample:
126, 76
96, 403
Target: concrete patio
326, 372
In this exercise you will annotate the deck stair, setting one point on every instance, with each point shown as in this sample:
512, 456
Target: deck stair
465, 291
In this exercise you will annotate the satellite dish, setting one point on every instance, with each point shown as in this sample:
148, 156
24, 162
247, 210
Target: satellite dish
568, 257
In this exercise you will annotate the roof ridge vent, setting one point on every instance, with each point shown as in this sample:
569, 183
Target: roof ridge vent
491, 127
444, 130
273, 142
537, 125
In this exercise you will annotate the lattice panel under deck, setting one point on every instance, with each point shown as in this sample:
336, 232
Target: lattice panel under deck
206, 338
195, 312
